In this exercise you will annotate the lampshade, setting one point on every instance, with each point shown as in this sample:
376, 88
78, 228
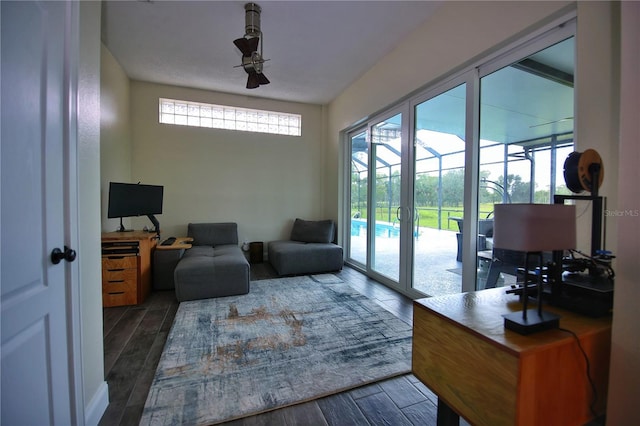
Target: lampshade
534, 227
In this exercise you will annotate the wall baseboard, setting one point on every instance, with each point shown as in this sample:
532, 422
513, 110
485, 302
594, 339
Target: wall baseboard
97, 406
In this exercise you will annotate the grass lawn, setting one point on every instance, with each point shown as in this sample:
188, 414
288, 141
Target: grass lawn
429, 216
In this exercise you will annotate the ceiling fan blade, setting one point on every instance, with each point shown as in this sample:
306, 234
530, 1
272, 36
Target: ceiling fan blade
262, 79
252, 80
241, 44
247, 46
253, 43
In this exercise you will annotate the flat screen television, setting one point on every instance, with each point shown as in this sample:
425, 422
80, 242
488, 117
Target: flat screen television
134, 199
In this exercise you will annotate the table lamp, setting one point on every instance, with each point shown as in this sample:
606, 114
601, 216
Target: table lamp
533, 229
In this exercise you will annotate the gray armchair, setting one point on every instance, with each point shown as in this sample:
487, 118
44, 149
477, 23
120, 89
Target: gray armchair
311, 249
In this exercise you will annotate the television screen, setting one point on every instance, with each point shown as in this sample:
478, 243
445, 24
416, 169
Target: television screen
130, 199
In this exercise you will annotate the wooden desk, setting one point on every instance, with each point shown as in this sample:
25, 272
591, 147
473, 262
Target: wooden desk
493, 376
178, 244
165, 260
126, 267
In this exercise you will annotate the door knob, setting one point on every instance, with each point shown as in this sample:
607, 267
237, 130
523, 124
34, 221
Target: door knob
58, 255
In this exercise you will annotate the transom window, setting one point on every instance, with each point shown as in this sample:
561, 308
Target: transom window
186, 113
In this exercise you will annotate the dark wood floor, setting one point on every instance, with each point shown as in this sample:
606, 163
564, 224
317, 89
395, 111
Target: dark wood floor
134, 338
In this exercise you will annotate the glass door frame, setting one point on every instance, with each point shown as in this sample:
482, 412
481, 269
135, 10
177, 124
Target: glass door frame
405, 216
505, 58
552, 32
350, 135
407, 212
470, 80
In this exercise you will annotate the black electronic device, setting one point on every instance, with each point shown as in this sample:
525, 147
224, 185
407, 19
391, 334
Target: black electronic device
120, 248
168, 241
135, 199
584, 283
580, 282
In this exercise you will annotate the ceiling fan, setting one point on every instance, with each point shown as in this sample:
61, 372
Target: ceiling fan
252, 60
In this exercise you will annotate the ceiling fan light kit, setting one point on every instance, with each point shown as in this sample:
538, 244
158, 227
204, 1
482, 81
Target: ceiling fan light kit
252, 60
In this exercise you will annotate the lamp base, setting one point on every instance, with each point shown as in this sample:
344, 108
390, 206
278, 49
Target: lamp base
533, 323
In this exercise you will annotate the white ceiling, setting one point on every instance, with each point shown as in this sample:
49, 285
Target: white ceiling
315, 48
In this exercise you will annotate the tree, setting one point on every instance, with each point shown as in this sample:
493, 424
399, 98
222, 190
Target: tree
426, 190
453, 188
359, 193
518, 189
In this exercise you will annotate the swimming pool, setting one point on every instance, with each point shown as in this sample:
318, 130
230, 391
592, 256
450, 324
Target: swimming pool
388, 230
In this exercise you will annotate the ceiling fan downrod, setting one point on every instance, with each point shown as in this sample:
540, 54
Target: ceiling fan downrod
252, 20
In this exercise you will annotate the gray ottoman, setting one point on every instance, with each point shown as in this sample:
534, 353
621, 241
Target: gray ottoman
206, 271
215, 266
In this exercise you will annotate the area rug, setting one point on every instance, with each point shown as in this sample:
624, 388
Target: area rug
288, 341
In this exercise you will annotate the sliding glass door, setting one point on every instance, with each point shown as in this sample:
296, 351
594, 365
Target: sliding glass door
424, 175
376, 215
438, 190
526, 133
359, 197
386, 146
406, 190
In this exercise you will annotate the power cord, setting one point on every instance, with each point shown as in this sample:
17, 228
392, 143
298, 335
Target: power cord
591, 383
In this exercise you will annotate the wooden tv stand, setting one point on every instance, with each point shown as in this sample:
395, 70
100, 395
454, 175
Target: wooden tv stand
126, 267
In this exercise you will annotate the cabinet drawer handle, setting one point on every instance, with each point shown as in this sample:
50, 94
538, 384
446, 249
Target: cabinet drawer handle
115, 270
116, 293
116, 281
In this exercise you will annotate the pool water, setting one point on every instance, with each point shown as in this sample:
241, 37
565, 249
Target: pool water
387, 230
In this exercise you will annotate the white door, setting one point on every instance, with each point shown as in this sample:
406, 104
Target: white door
36, 338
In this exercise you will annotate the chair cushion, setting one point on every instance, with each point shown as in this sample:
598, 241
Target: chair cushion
213, 234
312, 231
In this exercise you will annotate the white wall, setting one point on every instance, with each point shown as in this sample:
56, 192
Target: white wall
624, 385
115, 128
261, 181
597, 98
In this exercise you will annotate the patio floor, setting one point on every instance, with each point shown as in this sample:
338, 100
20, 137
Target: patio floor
436, 271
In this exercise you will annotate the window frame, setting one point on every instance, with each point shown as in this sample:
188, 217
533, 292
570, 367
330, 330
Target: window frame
548, 34
225, 117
